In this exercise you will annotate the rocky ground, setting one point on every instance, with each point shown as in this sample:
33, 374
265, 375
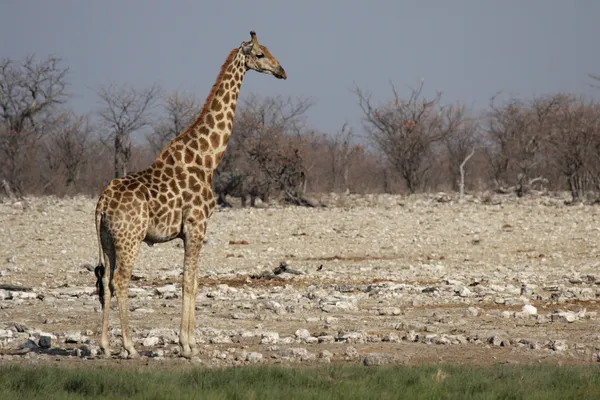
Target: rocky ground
370, 279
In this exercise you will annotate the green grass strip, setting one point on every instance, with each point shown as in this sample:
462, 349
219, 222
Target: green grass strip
323, 382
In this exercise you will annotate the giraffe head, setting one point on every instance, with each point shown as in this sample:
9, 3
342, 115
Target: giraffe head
260, 59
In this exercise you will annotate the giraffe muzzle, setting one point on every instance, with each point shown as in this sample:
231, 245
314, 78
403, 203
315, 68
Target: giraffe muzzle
280, 74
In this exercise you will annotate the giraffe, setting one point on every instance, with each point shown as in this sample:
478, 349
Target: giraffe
173, 198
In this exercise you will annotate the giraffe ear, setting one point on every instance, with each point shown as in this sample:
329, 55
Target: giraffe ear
247, 47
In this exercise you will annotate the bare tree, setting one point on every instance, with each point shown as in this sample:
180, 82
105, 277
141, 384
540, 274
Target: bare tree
125, 111
405, 131
518, 132
341, 151
266, 146
461, 168
460, 142
68, 147
575, 142
30, 89
180, 111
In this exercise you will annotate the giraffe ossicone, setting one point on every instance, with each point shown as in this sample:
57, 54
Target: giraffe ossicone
173, 198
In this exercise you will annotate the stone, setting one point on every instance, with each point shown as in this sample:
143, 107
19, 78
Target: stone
77, 291
559, 345
374, 359
25, 295
564, 316
166, 291
529, 309
5, 295
411, 336
389, 311
6, 334
472, 312
325, 354
302, 334
45, 341
241, 355
296, 352
351, 353
151, 341
74, 337
326, 339
220, 339
134, 292
391, 337
269, 338
254, 357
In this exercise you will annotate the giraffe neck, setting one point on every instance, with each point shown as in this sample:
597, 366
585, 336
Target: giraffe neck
208, 136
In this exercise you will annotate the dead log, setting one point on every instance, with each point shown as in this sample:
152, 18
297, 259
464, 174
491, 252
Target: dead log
15, 288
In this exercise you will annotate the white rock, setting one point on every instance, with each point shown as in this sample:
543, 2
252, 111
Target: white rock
302, 334
392, 337
77, 291
564, 316
559, 345
25, 295
151, 341
472, 312
167, 291
353, 337
269, 338
351, 352
6, 334
254, 357
529, 309
74, 337
326, 339
221, 339
296, 352
137, 292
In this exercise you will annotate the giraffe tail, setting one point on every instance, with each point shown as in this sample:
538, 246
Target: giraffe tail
100, 269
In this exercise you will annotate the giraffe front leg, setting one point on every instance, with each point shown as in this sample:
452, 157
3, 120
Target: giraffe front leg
187, 335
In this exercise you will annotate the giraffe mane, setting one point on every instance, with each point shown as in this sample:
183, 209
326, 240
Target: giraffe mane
213, 90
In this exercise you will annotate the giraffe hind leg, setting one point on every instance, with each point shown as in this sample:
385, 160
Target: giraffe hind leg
125, 257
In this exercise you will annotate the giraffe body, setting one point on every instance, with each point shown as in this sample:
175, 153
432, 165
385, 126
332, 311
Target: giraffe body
173, 198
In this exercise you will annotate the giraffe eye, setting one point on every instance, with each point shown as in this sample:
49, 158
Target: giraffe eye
260, 55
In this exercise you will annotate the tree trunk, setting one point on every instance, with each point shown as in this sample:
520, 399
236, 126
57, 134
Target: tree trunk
461, 196
122, 154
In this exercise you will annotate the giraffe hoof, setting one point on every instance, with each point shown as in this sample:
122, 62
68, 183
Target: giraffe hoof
187, 352
104, 352
130, 353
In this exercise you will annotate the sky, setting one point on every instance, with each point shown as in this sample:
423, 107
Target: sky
467, 49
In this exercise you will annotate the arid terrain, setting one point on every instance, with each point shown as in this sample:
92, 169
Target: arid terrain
372, 279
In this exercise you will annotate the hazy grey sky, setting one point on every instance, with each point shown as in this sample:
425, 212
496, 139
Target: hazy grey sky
467, 49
